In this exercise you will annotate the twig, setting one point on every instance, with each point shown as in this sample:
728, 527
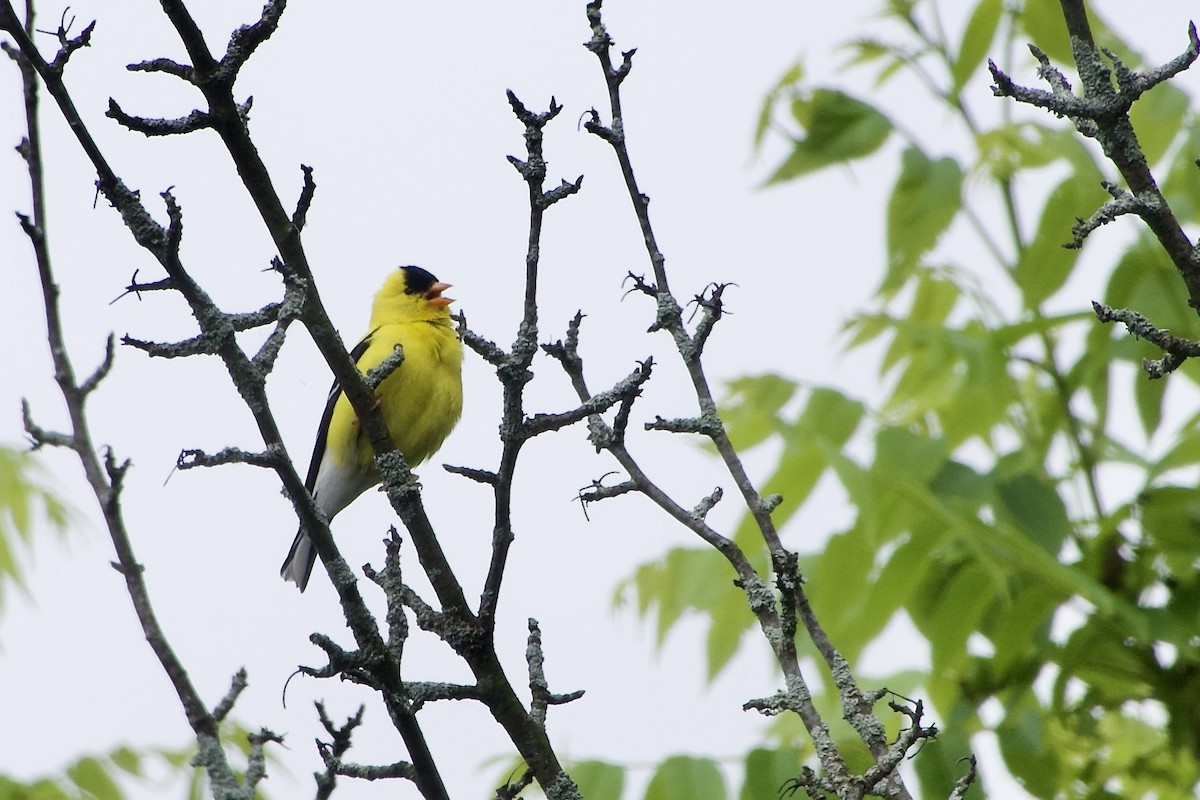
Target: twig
1176, 350
777, 621
105, 479
1103, 113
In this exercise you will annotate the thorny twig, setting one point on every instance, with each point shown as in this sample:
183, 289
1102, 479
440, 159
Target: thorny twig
778, 619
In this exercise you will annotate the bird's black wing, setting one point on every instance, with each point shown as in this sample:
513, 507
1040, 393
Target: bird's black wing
335, 392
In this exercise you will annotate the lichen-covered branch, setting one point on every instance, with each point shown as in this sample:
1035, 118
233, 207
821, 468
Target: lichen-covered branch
1102, 113
105, 476
777, 618
1175, 349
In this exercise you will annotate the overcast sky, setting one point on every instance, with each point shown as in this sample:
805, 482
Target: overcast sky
400, 109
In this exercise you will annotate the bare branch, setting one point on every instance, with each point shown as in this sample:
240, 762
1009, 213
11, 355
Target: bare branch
400, 769
237, 686
1103, 113
340, 736
478, 475
148, 126
1176, 350
271, 458
543, 698
166, 65
300, 216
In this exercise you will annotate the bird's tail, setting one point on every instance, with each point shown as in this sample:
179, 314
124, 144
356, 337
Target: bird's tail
298, 565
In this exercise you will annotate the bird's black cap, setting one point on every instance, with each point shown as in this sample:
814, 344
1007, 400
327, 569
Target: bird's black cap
417, 280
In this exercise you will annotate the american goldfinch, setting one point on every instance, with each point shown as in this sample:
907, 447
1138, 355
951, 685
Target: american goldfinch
420, 401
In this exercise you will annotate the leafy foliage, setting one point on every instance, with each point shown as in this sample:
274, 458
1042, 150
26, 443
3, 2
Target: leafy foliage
1043, 547
23, 494
101, 776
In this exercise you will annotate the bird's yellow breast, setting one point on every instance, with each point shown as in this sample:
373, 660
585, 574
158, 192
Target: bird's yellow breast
420, 402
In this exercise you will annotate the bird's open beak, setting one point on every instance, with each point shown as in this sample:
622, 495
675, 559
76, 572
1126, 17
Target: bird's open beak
434, 296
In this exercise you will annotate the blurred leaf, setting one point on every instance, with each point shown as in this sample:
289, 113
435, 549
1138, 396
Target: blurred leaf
847, 559
1014, 146
1145, 279
1185, 452
128, 760
949, 607
787, 83
751, 408
944, 759
767, 771
93, 779
976, 41
24, 498
597, 780
1036, 509
688, 578
1179, 184
729, 619
1171, 519
1025, 749
1043, 22
1020, 630
44, 789
1102, 655
926, 198
820, 431
986, 392
686, 778
1044, 266
931, 306
1149, 395
1157, 118
839, 129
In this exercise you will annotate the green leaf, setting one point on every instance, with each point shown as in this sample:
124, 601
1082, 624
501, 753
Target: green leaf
1035, 508
1032, 760
1045, 265
846, 560
92, 777
1101, 655
1014, 146
44, 789
1149, 394
1157, 118
839, 129
1021, 630
1171, 519
926, 198
949, 608
977, 38
1043, 22
688, 578
751, 409
127, 759
1179, 185
823, 427
686, 778
24, 498
597, 780
1185, 452
729, 619
943, 760
786, 85
767, 772
986, 392
1146, 280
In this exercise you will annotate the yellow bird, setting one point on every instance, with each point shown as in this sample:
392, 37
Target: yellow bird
420, 401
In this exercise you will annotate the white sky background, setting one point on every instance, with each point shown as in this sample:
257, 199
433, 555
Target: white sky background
400, 109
